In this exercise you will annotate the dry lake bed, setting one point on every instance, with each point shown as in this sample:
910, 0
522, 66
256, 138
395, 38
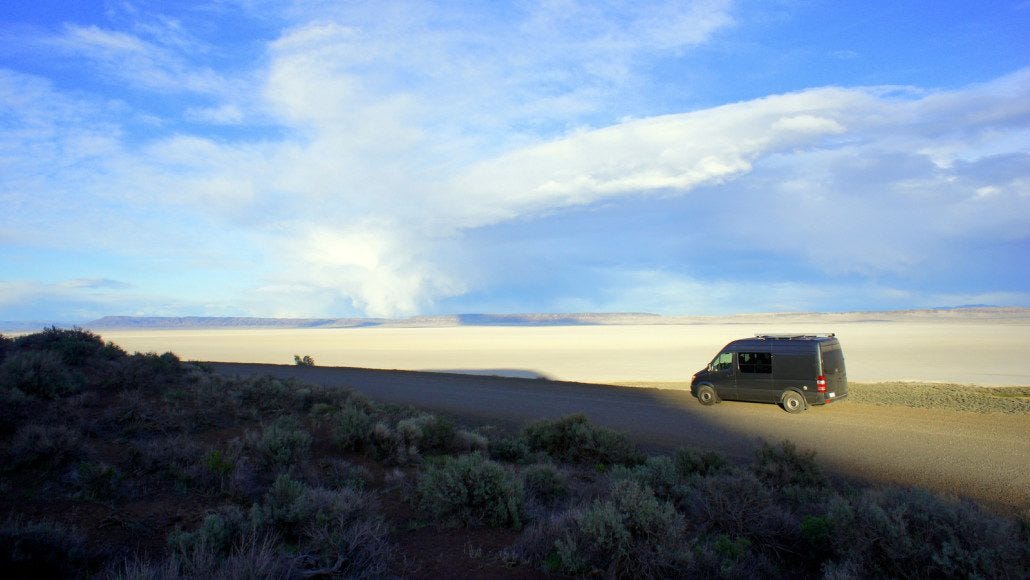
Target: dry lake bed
955, 350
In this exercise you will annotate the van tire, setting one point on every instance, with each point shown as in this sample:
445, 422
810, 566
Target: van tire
793, 402
706, 395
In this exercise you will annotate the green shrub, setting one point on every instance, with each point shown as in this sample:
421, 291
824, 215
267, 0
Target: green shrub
351, 549
785, 466
134, 414
470, 490
280, 510
43, 550
575, 440
305, 361
438, 434
895, 532
14, 406
323, 411
76, 347
282, 443
52, 445
427, 433
39, 374
352, 429
512, 450
631, 533
135, 374
340, 528
658, 473
384, 444
731, 548
218, 533
290, 505
220, 465
341, 473
545, 483
268, 395
470, 442
96, 480
726, 556
822, 530
736, 503
252, 556
175, 457
691, 462
167, 364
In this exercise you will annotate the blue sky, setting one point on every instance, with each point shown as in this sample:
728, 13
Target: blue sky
253, 158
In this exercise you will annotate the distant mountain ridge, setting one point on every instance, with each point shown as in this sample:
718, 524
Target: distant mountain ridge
172, 322
1001, 314
226, 322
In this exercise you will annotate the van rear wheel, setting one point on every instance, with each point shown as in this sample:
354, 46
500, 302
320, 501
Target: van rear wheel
706, 395
792, 402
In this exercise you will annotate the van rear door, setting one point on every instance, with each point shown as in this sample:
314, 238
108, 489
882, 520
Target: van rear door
832, 367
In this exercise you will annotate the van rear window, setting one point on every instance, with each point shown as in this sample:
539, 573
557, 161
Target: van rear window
755, 362
833, 361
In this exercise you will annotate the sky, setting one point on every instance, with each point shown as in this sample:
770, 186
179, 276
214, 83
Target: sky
388, 159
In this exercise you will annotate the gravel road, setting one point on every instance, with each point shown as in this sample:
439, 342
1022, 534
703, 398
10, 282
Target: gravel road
981, 456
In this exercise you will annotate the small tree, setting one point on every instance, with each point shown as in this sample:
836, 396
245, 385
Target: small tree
303, 361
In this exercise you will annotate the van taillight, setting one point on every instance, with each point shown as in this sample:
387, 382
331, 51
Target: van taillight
820, 384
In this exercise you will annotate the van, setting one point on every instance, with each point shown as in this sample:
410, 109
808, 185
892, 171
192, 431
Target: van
793, 370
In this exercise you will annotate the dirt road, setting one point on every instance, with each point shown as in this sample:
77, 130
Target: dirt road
984, 457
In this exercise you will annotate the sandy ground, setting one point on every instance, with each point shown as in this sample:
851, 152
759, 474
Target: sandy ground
981, 456
956, 351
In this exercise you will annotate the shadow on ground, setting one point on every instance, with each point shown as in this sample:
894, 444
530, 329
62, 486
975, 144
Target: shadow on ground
859, 443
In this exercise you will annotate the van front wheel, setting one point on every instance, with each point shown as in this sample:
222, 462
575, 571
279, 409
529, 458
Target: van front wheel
792, 402
706, 395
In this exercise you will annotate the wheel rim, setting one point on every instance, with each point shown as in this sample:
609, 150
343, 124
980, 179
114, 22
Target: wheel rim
706, 396
793, 403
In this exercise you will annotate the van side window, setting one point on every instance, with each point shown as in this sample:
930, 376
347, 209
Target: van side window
755, 362
723, 361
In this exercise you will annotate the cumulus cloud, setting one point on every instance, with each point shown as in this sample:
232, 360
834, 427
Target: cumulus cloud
671, 153
378, 267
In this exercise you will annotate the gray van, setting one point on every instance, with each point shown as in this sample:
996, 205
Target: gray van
794, 370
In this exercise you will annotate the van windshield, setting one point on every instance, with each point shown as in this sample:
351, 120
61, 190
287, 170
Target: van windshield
722, 362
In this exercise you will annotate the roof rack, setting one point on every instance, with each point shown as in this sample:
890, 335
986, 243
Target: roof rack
797, 336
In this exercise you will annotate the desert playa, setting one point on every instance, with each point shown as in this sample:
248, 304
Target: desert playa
969, 346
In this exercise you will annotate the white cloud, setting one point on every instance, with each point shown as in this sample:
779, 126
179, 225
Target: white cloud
94, 284
143, 64
377, 268
672, 153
